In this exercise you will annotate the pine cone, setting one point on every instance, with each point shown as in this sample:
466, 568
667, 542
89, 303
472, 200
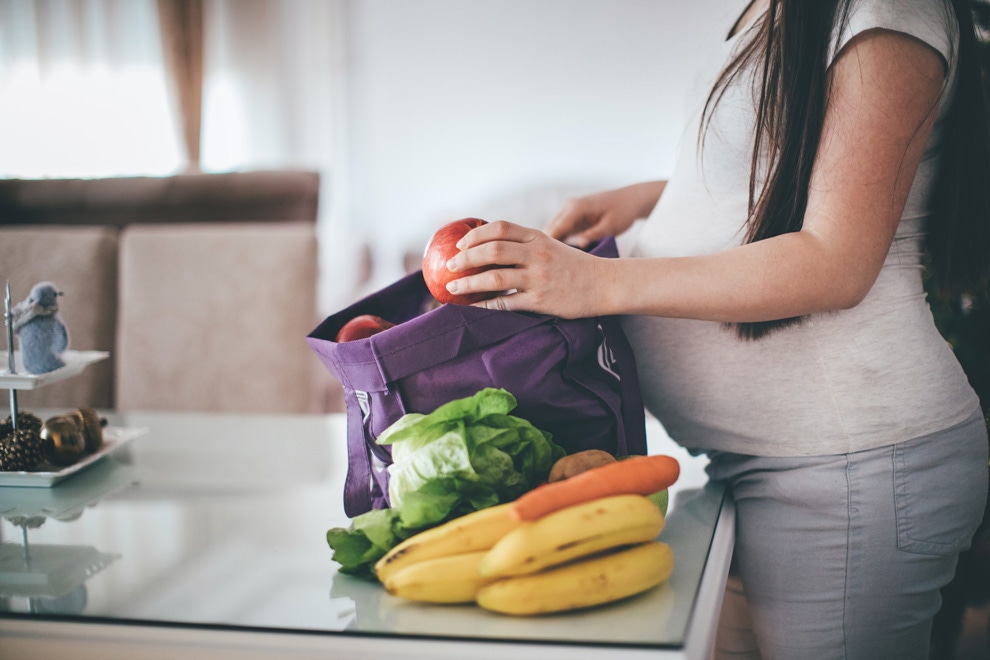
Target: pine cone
20, 450
25, 421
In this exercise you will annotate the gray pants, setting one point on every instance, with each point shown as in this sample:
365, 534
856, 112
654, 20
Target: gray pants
843, 556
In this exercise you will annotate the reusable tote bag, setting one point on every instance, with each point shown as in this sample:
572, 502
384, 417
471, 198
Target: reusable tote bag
575, 378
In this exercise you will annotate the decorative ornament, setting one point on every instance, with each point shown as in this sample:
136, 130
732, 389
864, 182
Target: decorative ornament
42, 334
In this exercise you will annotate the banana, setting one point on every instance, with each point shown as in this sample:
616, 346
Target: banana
451, 579
573, 532
593, 581
475, 531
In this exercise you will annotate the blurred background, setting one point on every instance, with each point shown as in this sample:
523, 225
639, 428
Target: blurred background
413, 113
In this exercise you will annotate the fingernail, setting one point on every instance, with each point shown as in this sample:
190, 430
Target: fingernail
451, 266
452, 286
460, 244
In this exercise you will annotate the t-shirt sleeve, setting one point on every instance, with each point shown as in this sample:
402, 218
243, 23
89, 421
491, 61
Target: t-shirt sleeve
930, 21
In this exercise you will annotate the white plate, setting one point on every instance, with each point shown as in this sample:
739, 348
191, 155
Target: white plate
113, 438
75, 362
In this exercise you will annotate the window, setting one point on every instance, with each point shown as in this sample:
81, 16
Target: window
83, 91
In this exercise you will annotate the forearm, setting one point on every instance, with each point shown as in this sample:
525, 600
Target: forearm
789, 275
644, 196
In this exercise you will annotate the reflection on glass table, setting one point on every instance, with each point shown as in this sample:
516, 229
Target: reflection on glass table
50, 578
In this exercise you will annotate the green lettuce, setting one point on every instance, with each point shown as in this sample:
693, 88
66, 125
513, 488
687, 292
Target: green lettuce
466, 455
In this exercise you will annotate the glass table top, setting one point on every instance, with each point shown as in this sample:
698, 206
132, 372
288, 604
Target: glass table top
216, 520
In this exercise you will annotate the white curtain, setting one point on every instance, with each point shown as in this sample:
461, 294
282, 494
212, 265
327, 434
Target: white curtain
270, 69
273, 96
82, 90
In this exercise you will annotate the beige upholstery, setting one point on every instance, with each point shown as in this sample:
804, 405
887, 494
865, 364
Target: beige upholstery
214, 317
82, 262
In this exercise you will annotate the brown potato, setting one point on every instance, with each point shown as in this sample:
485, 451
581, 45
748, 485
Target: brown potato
568, 466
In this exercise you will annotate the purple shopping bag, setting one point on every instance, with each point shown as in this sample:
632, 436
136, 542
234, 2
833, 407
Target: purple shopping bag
573, 378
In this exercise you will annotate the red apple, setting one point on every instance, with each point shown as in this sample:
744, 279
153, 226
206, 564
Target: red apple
362, 327
441, 247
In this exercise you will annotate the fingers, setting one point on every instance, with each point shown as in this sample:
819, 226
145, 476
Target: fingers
501, 303
586, 238
500, 230
497, 279
570, 220
499, 246
491, 253
562, 225
497, 243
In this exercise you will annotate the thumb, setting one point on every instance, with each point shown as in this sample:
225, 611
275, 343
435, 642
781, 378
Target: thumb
568, 222
587, 237
499, 303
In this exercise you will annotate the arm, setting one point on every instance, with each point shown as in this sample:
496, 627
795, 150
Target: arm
885, 89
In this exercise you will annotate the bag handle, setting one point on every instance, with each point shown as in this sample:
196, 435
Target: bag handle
576, 370
357, 483
365, 487
633, 440
627, 402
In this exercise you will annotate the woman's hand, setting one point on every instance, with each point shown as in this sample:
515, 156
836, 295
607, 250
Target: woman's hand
584, 220
539, 273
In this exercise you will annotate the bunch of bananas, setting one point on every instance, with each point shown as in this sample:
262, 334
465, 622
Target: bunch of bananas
583, 555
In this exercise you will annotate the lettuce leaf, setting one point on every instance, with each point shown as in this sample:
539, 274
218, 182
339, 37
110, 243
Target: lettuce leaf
466, 455
661, 499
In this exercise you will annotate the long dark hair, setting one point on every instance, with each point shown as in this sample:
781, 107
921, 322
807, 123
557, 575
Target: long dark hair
788, 51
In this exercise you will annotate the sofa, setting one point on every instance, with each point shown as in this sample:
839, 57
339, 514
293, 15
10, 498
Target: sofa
202, 288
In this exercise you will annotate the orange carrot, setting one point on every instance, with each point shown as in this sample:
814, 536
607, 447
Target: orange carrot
637, 475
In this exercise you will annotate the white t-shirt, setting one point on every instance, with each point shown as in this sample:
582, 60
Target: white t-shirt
841, 381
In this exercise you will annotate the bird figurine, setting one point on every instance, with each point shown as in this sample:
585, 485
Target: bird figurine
42, 334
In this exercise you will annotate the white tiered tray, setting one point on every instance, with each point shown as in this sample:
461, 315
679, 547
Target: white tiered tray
75, 363
114, 438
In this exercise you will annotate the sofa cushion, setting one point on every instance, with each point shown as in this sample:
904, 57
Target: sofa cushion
213, 317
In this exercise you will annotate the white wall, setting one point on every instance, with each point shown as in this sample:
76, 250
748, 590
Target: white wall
501, 108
